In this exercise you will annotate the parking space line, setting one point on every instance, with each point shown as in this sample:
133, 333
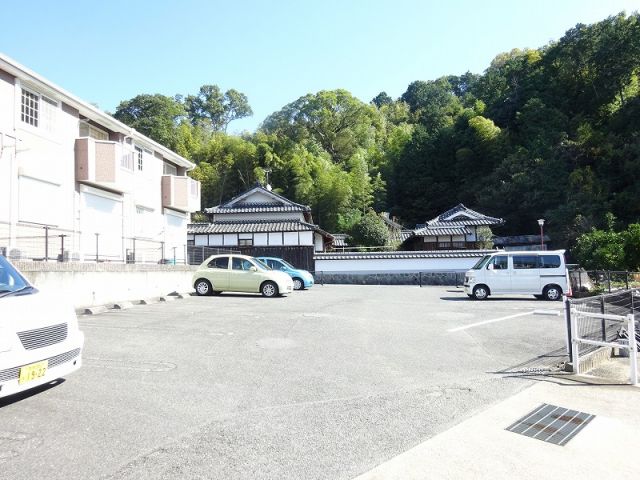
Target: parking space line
485, 322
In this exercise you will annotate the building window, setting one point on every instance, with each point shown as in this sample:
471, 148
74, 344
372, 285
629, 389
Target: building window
170, 169
139, 155
30, 108
87, 130
245, 242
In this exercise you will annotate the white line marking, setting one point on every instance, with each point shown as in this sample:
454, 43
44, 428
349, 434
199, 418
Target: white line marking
556, 313
485, 322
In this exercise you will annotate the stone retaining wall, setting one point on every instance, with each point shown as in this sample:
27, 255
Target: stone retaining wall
419, 278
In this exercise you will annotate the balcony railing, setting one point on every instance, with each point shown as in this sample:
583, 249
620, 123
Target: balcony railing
105, 164
180, 193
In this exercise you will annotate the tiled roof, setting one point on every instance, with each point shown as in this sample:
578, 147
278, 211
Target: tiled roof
260, 226
460, 216
441, 231
340, 240
391, 223
402, 255
257, 208
280, 203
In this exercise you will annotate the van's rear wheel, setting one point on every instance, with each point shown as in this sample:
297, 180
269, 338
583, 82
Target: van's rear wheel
552, 292
480, 292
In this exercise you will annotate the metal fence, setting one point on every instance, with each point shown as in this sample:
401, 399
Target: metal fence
50, 243
603, 321
602, 281
196, 254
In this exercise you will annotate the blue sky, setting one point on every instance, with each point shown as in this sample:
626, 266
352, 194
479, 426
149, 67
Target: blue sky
275, 51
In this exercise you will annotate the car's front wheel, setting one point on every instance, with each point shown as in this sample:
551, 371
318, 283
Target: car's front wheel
298, 284
203, 287
269, 289
480, 292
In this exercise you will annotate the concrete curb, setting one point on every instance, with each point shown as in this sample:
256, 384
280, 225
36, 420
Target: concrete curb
125, 305
94, 310
122, 305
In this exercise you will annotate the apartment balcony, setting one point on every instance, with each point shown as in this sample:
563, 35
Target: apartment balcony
104, 164
180, 193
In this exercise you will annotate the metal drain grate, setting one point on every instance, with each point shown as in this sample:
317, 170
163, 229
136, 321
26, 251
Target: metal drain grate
552, 424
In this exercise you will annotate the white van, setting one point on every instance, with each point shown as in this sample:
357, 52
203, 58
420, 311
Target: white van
39, 336
542, 274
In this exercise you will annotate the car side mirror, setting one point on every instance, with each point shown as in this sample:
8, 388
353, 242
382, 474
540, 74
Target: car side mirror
253, 269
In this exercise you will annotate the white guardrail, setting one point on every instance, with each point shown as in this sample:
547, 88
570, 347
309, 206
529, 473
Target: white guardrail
629, 344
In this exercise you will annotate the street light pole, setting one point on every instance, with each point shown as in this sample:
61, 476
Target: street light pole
541, 223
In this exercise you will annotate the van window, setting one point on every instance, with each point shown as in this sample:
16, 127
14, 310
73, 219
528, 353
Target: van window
481, 263
525, 261
550, 261
499, 262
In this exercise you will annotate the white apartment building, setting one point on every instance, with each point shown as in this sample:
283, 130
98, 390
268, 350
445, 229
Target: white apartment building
89, 185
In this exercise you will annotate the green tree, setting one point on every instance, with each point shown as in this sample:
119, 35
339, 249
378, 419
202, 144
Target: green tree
631, 247
156, 116
215, 110
370, 231
601, 249
332, 121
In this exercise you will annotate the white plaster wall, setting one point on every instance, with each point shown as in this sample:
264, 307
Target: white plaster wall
291, 238
231, 239
319, 242
275, 238
396, 265
306, 238
260, 239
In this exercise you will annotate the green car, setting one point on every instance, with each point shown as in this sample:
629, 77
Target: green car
239, 273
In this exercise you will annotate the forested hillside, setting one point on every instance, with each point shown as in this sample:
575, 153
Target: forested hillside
551, 133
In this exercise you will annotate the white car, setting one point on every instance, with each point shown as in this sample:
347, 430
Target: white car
239, 273
542, 274
39, 336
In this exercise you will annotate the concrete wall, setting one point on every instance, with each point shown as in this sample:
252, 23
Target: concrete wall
90, 284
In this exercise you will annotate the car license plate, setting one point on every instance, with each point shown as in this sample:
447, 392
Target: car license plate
32, 371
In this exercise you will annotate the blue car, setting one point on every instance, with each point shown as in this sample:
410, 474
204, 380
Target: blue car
301, 278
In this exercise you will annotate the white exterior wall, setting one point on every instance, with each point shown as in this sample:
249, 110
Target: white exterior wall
291, 238
306, 238
175, 234
275, 239
396, 265
231, 239
318, 243
260, 239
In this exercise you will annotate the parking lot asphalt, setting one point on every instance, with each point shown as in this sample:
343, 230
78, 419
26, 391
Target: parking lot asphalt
324, 384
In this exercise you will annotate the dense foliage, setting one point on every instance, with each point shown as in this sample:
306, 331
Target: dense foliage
551, 133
